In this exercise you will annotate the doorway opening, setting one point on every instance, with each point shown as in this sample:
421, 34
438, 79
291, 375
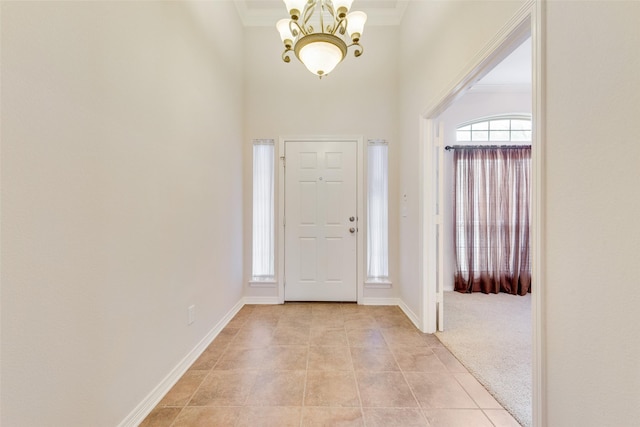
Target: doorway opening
484, 239
523, 30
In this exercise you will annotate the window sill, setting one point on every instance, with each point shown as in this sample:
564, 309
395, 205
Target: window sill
377, 284
266, 283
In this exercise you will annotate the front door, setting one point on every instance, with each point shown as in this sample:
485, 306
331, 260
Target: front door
320, 221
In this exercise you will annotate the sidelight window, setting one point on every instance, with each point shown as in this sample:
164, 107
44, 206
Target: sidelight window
263, 257
377, 211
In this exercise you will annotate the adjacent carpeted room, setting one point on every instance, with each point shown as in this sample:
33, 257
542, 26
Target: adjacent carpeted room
491, 335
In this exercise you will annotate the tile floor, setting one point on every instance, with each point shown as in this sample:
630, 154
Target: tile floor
325, 364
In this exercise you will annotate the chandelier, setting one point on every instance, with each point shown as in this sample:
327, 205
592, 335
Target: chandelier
322, 50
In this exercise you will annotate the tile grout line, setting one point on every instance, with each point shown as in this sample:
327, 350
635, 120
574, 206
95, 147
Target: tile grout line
306, 376
470, 396
393, 354
203, 379
490, 420
182, 408
354, 373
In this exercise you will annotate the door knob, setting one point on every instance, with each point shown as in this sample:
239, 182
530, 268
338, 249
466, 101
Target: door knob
352, 230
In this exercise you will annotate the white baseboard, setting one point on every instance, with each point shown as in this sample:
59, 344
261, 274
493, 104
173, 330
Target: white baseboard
393, 301
261, 300
410, 314
378, 301
148, 403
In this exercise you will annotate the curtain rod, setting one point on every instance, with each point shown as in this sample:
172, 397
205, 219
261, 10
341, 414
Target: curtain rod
473, 147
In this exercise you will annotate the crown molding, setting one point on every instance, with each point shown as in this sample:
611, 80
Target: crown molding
268, 16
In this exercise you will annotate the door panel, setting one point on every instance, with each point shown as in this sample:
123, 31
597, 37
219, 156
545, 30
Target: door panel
320, 199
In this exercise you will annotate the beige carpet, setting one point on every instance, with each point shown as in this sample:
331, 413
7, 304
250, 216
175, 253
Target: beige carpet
491, 336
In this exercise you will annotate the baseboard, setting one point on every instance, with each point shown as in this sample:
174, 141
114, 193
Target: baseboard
378, 301
410, 314
261, 300
393, 301
148, 403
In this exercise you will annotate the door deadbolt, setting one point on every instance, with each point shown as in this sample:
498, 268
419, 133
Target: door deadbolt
352, 219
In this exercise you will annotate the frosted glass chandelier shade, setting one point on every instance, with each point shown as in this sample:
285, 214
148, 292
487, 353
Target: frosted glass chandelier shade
320, 53
355, 24
342, 6
295, 5
284, 28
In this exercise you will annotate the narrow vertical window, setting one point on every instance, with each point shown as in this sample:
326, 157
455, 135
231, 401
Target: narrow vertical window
377, 211
263, 266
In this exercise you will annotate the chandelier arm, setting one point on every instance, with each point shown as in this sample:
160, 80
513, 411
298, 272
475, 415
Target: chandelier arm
298, 30
329, 7
359, 49
286, 55
341, 25
308, 12
322, 7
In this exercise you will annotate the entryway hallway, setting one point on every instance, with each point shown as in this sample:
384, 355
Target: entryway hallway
326, 364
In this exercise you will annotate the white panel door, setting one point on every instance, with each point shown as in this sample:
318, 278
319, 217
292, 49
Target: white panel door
320, 221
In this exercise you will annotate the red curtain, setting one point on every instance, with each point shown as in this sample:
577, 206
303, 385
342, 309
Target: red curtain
492, 211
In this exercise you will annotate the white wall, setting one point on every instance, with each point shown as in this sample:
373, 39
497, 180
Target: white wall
358, 98
437, 41
592, 237
121, 200
473, 105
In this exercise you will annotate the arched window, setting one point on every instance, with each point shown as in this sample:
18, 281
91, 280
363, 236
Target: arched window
511, 128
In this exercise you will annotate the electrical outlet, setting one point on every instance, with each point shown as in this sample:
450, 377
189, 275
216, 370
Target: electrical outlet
192, 314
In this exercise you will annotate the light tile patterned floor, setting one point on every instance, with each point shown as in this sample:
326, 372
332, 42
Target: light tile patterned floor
325, 364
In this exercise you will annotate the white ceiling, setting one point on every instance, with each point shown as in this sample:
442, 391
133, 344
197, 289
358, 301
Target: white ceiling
260, 13
514, 70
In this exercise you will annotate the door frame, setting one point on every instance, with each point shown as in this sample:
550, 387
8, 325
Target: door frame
527, 21
360, 200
